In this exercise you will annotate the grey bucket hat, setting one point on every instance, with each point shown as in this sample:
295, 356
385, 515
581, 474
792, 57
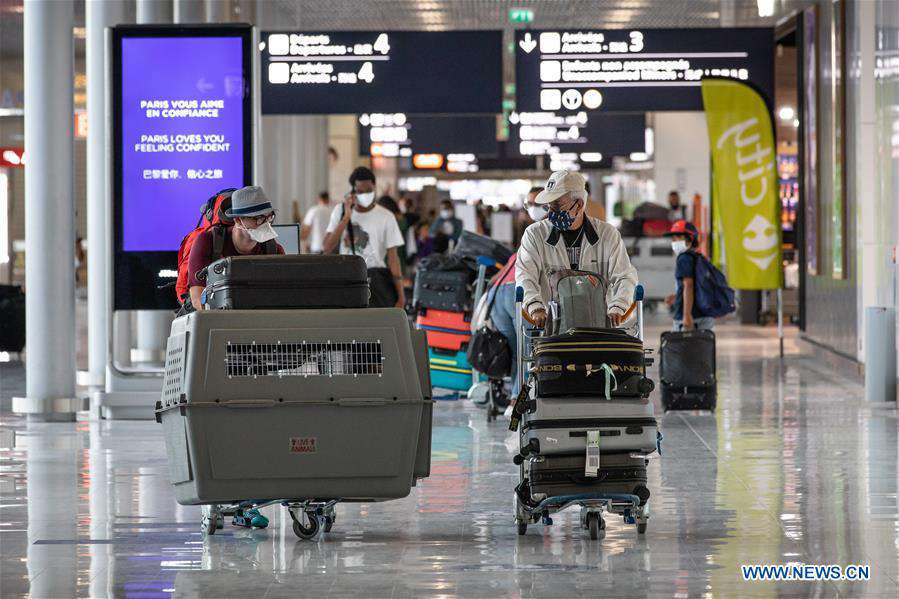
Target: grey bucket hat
249, 201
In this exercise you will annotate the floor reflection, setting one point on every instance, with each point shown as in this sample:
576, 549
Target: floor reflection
794, 466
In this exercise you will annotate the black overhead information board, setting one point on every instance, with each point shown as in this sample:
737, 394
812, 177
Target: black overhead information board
354, 72
544, 133
420, 134
635, 70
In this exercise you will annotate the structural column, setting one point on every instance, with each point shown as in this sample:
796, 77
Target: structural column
49, 214
154, 11
218, 11
153, 325
189, 11
98, 16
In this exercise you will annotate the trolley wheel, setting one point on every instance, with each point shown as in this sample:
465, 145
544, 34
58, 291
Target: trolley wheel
594, 525
641, 528
306, 532
211, 523
522, 527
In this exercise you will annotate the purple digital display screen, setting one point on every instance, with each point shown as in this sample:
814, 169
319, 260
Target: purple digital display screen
182, 132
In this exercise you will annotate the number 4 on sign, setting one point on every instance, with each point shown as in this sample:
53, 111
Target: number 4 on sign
366, 73
381, 44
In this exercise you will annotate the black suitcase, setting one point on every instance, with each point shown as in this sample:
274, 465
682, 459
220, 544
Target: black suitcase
574, 364
442, 290
564, 475
687, 370
471, 246
287, 282
12, 318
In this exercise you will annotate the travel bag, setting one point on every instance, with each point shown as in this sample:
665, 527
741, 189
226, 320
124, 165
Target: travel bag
565, 475
687, 370
559, 426
446, 338
578, 300
12, 318
471, 246
444, 319
601, 363
296, 281
449, 369
442, 290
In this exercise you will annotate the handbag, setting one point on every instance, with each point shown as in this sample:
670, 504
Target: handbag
489, 351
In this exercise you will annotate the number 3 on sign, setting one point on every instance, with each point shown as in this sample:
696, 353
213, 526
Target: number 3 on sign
366, 73
636, 41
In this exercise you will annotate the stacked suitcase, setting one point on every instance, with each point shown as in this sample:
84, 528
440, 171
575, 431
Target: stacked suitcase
590, 414
448, 335
334, 397
586, 425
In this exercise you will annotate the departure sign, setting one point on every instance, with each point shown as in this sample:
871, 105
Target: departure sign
354, 72
398, 135
547, 133
635, 70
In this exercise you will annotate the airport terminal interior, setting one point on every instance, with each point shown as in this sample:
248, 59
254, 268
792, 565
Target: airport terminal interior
449, 298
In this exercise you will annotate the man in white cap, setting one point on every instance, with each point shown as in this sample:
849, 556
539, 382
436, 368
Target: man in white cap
569, 239
251, 234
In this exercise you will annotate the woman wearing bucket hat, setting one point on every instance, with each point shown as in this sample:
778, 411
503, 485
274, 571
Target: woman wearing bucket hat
251, 234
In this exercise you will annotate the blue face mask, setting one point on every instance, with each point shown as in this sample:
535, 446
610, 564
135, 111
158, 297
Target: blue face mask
561, 219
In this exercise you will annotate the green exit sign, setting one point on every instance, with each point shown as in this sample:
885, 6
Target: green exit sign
521, 15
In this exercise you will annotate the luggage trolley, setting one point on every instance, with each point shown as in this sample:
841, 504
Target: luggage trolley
632, 508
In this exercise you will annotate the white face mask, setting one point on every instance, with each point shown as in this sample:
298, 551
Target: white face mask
679, 246
446, 214
365, 199
262, 233
536, 212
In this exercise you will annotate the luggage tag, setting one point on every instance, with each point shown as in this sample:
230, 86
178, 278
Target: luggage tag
592, 466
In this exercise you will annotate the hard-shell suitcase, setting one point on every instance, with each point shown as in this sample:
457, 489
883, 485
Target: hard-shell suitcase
446, 338
687, 370
444, 319
564, 475
559, 425
471, 246
591, 362
442, 290
296, 281
456, 360
12, 318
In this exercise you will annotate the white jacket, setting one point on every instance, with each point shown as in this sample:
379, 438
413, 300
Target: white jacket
602, 251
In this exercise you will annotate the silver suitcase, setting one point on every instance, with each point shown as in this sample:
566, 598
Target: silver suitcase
559, 425
295, 404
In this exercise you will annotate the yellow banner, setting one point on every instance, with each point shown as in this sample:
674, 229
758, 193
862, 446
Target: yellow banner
745, 201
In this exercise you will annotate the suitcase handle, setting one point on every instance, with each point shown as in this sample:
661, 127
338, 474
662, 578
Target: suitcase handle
248, 403
349, 402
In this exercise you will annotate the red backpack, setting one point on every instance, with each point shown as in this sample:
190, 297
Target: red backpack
212, 216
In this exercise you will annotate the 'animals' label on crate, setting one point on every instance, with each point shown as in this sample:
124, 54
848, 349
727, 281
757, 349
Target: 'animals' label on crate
302, 445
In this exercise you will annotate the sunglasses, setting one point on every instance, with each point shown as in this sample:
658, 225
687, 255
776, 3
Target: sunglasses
556, 207
259, 220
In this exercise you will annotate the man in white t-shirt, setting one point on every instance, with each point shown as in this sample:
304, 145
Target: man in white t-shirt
361, 227
315, 224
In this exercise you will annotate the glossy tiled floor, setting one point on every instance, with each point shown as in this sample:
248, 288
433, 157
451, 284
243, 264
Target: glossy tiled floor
794, 466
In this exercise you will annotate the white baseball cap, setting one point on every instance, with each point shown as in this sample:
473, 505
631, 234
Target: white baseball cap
560, 183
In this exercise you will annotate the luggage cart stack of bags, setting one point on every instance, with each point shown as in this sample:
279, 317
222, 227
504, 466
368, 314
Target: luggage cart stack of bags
585, 421
444, 298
